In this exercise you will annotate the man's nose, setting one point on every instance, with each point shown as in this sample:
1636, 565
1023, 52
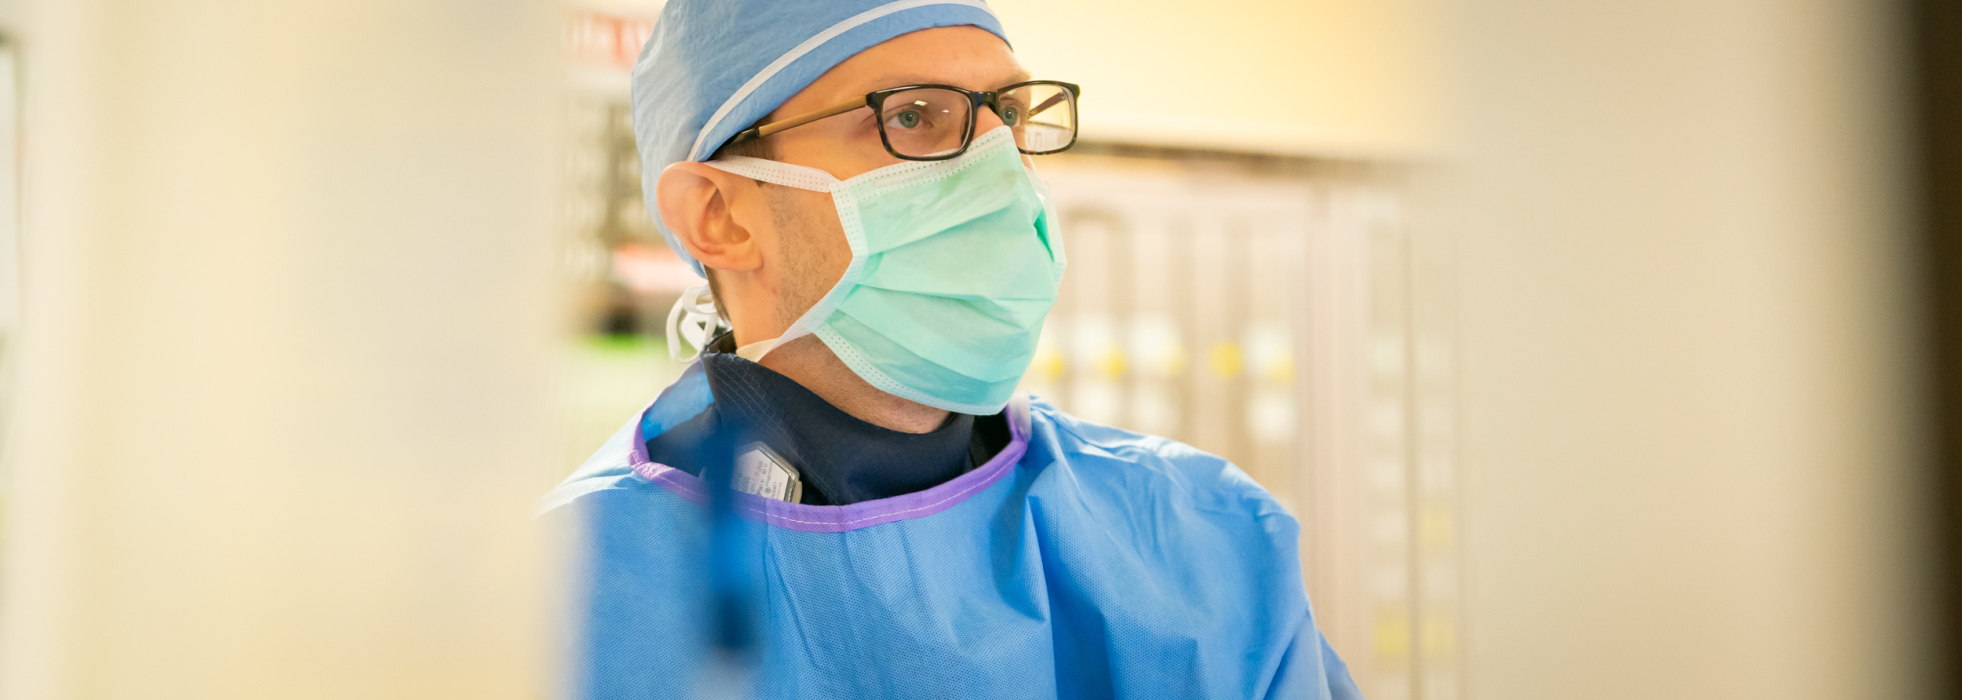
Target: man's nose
985, 120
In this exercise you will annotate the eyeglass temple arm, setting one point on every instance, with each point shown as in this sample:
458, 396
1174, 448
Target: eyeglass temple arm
1046, 104
758, 132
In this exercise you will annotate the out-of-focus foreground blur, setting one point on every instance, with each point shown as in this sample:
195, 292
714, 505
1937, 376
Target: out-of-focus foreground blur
1586, 340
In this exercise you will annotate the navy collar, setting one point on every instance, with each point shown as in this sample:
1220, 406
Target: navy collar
843, 460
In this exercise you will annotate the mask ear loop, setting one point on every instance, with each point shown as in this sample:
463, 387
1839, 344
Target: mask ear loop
693, 319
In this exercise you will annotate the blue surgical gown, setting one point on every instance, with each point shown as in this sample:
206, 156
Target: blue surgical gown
1081, 562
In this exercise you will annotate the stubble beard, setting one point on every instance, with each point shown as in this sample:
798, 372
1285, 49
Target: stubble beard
811, 235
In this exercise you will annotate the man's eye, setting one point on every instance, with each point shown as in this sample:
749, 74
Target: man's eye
905, 119
1011, 115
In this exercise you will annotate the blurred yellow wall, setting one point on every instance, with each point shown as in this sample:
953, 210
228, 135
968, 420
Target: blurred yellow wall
1314, 77
1690, 430
288, 319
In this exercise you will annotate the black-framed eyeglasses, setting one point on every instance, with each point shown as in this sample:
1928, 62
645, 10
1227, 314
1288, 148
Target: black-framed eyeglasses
936, 122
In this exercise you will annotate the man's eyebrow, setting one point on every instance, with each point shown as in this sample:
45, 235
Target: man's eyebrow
897, 80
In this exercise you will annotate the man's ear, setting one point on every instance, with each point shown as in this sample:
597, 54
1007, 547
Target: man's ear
702, 207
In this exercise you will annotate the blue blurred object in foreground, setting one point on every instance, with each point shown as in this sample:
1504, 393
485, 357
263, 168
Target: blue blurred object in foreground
730, 572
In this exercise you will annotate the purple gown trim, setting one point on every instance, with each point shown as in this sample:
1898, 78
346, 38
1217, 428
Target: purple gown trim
797, 516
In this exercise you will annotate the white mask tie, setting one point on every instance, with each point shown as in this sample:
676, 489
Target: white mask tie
693, 319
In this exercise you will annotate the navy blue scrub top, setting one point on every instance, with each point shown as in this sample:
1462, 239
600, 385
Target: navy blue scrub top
842, 460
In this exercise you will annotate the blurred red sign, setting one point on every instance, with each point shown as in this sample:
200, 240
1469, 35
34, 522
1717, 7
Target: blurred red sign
649, 269
606, 40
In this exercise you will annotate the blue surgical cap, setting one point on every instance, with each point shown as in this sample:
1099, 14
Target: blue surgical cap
714, 67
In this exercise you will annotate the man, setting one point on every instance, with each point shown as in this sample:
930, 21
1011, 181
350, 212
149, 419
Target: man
885, 517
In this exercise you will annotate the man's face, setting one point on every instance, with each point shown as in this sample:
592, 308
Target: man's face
808, 242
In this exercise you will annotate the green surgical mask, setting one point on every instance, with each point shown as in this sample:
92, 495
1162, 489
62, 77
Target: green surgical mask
955, 264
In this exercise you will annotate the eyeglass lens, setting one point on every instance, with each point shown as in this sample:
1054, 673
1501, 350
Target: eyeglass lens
932, 122
1043, 116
